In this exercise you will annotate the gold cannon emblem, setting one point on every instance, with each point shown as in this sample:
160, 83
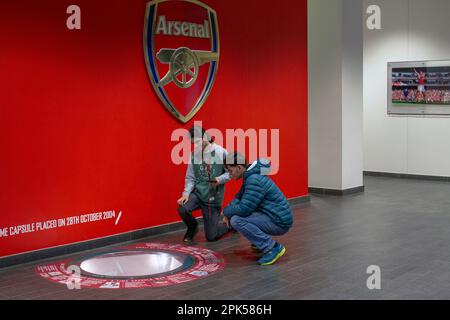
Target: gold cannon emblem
183, 65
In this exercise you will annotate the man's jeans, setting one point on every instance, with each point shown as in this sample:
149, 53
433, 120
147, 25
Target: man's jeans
258, 228
214, 228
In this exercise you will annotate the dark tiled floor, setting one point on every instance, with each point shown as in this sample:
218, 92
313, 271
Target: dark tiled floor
400, 225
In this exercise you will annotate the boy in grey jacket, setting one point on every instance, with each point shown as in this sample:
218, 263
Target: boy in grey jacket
204, 187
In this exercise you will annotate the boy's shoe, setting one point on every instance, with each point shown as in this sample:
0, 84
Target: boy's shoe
273, 255
190, 234
255, 248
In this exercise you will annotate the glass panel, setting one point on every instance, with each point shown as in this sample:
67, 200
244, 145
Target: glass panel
132, 264
419, 87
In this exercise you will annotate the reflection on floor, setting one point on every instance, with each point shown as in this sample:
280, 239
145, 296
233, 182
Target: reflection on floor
400, 225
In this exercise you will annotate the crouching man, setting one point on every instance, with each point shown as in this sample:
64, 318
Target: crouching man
260, 210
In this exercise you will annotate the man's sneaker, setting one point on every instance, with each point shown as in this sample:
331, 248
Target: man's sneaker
255, 248
273, 255
190, 234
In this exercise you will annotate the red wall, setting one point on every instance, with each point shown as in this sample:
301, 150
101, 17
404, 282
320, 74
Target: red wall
82, 130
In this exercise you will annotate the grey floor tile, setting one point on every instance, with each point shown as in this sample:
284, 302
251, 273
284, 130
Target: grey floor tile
400, 225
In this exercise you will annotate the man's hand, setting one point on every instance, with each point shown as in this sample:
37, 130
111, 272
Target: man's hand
226, 221
182, 201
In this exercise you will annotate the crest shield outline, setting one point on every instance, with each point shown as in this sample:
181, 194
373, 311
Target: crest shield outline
185, 55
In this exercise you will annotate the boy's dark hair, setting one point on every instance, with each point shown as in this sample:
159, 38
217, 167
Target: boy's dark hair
235, 159
199, 132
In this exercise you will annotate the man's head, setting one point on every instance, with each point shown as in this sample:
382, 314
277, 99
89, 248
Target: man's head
199, 137
236, 164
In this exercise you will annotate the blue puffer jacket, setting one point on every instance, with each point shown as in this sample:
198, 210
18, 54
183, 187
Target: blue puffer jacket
260, 194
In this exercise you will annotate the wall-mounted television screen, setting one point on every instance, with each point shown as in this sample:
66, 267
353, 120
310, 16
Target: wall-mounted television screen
419, 87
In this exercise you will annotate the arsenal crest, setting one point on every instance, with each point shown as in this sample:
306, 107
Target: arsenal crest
181, 44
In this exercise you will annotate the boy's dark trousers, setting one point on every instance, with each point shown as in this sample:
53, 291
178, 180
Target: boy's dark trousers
214, 228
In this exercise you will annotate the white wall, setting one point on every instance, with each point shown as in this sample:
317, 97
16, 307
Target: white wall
324, 111
411, 30
335, 53
352, 95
